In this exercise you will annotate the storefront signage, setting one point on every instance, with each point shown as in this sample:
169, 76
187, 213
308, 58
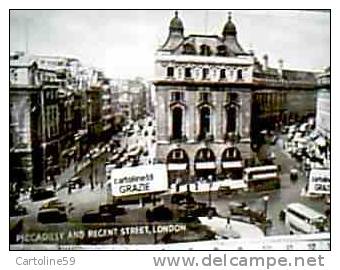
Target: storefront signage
319, 182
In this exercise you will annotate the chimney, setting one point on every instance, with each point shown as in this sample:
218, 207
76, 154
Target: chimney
280, 67
265, 60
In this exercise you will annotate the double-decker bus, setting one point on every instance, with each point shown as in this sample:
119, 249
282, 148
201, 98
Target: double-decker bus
262, 177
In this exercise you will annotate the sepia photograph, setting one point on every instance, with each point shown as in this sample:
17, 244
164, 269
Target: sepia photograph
169, 130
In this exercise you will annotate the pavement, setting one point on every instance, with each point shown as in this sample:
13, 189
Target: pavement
232, 230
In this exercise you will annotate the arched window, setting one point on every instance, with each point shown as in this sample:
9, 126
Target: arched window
231, 119
239, 74
189, 49
205, 116
205, 50
222, 50
177, 119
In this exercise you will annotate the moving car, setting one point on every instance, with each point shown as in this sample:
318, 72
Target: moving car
38, 194
238, 208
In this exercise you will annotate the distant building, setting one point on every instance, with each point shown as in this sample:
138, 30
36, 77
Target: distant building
133, 98
213, 98
323, 104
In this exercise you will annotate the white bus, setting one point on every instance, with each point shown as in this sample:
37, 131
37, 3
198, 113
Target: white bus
262, 177
304, 220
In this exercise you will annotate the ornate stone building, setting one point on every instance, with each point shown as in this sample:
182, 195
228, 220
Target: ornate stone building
213, 98
203, 95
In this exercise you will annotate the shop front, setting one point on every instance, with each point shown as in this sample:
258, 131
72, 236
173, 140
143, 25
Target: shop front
205, 164
232, 164
177, 166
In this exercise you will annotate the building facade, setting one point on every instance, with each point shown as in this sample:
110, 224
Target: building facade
203, 102
213, 98
58, 112
323, 108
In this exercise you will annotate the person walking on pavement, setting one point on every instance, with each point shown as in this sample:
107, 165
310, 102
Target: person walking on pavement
91, 182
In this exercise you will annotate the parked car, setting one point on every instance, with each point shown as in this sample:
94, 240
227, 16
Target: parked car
38, 194
51, 215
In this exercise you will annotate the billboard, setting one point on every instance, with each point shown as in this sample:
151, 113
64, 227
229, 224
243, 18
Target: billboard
137, 180
319, 182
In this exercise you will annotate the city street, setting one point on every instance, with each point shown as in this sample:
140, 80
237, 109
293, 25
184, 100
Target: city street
85, 199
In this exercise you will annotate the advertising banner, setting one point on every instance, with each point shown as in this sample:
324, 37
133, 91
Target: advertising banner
319, 182
138, 180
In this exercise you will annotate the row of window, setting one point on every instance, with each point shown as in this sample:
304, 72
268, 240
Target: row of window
51, 121
203, 96
204, 122
205, 50
170, 73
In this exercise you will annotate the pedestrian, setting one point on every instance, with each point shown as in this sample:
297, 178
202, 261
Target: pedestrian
54, 183
127, 238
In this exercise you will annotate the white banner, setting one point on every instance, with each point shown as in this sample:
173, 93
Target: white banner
177, 166
138, 180
205, 165
232, 164
319, 182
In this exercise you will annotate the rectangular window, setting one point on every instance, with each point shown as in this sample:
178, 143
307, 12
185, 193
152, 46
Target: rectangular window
178, 154
205, 73
239, 74
205, 97
222, 74
170, 72
187, 73
177, 96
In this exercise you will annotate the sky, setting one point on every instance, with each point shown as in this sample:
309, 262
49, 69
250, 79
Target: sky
123, 42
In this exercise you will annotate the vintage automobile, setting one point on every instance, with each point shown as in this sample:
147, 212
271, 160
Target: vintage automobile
51, 215
238, 208
38, 194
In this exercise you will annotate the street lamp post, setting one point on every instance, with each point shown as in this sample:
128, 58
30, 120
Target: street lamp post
89, 156
209, 193
265, 200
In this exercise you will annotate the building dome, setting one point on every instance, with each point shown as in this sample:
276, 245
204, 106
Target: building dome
229, 28
176, 24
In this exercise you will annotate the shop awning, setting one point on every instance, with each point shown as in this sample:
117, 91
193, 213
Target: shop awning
205, 165
177, 166
232, 164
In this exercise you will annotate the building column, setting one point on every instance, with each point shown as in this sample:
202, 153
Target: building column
190, 116
218, 117
245, 115
162, 112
